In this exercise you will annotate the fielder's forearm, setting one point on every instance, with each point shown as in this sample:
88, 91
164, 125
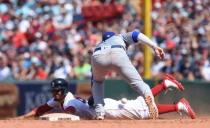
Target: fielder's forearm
143, 38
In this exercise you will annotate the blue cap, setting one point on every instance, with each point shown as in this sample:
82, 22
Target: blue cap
107, 35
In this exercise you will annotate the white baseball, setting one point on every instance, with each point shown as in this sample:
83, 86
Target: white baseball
124, 100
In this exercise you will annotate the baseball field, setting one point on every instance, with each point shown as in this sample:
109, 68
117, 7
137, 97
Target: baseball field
167, 121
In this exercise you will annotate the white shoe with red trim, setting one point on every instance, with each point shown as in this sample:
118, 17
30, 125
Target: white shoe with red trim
170, 82
184, 106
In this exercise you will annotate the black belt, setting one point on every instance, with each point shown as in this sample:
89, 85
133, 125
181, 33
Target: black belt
113, 46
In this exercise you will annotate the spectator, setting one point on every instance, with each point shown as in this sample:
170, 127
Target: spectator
82, 68
38, 34
5, 71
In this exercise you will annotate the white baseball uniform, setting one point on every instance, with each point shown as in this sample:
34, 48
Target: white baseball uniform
132, 109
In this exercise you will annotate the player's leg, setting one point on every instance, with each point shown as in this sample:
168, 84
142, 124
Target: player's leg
182, 106
99, 69
124, 67
167, 83
165, 108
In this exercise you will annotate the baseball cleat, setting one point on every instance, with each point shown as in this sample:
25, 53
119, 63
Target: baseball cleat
170, 82
99, 117
184, 106
100, 112
153, 111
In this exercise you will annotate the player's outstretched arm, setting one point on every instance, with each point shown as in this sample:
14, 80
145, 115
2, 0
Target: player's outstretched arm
35, 112
28, 115
158, 51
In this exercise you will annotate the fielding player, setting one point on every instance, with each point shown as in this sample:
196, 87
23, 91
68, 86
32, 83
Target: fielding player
110, 54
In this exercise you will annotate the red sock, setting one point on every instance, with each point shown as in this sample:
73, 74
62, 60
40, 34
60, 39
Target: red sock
165, 108
157, 89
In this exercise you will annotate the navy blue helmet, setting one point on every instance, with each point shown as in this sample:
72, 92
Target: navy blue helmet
59, 84
107, 35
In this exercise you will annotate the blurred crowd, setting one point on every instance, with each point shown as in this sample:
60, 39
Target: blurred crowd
182, 28
45, 39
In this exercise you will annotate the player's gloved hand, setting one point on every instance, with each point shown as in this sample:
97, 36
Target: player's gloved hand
159, 52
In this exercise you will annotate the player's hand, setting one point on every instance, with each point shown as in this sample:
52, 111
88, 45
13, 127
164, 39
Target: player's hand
18, 118
159, 52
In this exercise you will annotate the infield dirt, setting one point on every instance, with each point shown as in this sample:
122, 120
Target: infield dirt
200, 122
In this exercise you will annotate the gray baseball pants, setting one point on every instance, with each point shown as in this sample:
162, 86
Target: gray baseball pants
115, 59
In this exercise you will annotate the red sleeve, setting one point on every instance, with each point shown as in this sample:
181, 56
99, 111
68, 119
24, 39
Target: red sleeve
70, 109
42, 109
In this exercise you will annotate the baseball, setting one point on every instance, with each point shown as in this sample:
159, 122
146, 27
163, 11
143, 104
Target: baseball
124, 100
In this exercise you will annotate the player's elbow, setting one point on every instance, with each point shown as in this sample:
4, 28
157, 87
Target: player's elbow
70, 109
